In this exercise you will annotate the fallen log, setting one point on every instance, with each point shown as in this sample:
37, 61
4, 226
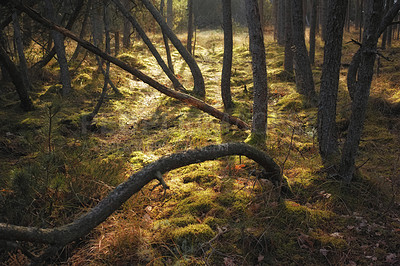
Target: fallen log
60, 236
186, 98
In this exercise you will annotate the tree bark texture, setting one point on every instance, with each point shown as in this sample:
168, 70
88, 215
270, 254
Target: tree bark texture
288, 62
281, 23
327, 135
62, 235
190, 26
259, 66
21, 55
199, 87
228, 51
15, 75
149, 44
126, 39
304, 76
313, 27
60, 50
166, 44
374, 27
146, 79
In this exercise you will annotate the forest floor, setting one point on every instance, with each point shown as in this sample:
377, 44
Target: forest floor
215, 213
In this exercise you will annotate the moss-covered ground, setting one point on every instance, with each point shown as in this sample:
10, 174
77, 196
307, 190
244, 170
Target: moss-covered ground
216, 212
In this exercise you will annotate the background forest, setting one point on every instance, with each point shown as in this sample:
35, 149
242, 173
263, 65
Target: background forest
232, 132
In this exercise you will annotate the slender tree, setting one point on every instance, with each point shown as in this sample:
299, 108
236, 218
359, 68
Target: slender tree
228, 50
304, 77
257, 50
313, 29
165, 38
364, 59
190, 26
60, 50
20, 48
15, 75
127, 30
199, 87
150, 45
288, 63
327, 137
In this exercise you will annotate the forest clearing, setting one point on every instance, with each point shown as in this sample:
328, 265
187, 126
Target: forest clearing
61, 159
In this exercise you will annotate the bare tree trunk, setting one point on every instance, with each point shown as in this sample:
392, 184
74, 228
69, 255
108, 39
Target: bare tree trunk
281, 23
190, 26
199, 87
60, 50
127, 27
288, 63
83, 30
304, 77
21, 55
170, 14
374, 27
69, 26
324, 18
259, 66
165, 38
313, 26
116, 42
153, 50
327, 135
15, 75
135, 72
62, 235
228, 51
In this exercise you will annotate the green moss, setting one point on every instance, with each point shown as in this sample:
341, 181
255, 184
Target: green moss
293, 102
332, 241
141, 159
131, 60
190, 238
175, 222
214, 222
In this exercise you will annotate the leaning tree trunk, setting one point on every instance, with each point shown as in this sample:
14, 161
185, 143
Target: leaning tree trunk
199, 87
83, 30
304, 76
150, 45
228, 51
15, 75
165, 38
60, 50
135, 72
327, 135
374, 27
259, 66
20, 48
60, 236
288, 63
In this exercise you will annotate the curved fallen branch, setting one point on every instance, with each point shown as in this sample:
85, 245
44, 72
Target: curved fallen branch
63, 235
188, 99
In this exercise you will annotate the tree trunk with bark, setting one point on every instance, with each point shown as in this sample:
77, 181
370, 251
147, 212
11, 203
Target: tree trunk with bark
327, 135
149, 44
199, 87
15, 75
363, 63
58, 237
288, 63
127, 27
60, 51
190, 26
304, 76
228, 51
281, 23
21, 54
259, 66
313, 26
166, 43
192, 101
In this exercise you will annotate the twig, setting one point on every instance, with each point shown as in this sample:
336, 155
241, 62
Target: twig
288, 153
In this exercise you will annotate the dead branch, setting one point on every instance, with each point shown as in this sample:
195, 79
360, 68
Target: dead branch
60, 236
188, 99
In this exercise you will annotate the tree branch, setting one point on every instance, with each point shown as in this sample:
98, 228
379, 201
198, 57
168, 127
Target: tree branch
62, 235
